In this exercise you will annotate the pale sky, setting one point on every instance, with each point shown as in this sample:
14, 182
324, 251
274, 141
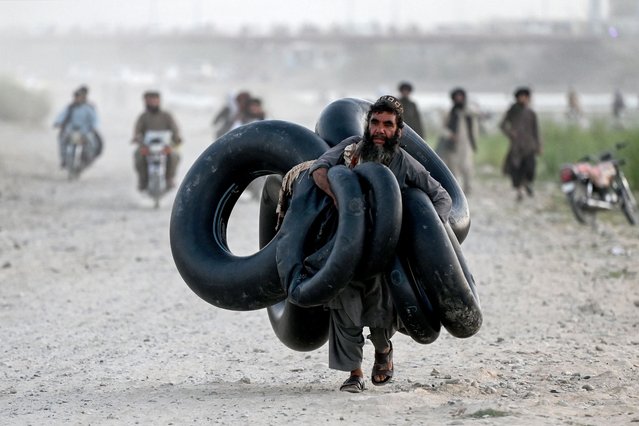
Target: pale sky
263, 15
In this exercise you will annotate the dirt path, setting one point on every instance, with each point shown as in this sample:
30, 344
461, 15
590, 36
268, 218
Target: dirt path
97, 327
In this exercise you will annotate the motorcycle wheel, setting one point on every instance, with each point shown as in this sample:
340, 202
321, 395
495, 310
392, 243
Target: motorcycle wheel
155, 188
71, 161
628, 202
577, 201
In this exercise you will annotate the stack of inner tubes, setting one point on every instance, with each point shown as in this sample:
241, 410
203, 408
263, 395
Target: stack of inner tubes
319, 248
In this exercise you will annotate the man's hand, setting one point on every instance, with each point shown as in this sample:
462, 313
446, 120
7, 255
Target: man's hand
320, 177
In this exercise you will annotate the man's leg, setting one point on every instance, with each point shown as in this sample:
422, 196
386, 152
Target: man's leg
62, 148
139, 162
467, 172
529, 165
345, 347
380, 337
172, 161
517, 179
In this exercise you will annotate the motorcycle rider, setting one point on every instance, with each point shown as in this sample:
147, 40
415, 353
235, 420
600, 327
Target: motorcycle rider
79, 115
154, 118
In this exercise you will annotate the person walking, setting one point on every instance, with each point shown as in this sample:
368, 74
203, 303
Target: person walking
459, 139
368, 303
412, 116
520, 126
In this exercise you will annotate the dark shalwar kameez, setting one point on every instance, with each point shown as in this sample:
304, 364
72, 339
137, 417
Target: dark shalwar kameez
520, 125
368, 303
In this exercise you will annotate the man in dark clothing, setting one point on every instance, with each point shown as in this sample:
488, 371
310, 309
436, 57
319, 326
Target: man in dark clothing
411, 112
368, 303
154, 118
520, 126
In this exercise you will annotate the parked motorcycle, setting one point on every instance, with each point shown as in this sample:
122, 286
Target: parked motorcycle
156, 149
596, 184
78, 153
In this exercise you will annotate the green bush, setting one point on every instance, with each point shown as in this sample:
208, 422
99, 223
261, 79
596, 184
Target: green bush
567, 144
17, 103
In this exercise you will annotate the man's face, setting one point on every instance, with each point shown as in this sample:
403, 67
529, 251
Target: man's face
523, 99
382, 126
152, 101
459, 99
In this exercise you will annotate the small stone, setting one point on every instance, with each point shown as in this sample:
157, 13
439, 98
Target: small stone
490, 390
588, 387
599, 348
6, 265
434, 372
617, 251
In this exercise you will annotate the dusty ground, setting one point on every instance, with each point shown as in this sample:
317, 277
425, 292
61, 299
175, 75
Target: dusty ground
97, 327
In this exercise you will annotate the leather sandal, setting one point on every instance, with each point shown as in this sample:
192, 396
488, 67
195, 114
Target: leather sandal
354, 384
380, 368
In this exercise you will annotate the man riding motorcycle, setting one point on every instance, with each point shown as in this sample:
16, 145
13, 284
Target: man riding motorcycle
79, 116
154, 118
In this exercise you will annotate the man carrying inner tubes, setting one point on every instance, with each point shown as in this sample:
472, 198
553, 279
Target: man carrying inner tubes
368, 303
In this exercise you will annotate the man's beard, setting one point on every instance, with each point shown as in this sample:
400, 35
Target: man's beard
152, 109
376, 153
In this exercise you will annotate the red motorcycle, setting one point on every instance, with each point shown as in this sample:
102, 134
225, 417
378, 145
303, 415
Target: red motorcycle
595, 184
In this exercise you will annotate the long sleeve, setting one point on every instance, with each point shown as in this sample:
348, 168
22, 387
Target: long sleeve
417, 176
535, 130
331, 157
94, 122
411, 173
177, 139
138, 129
61, 116
506, 125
